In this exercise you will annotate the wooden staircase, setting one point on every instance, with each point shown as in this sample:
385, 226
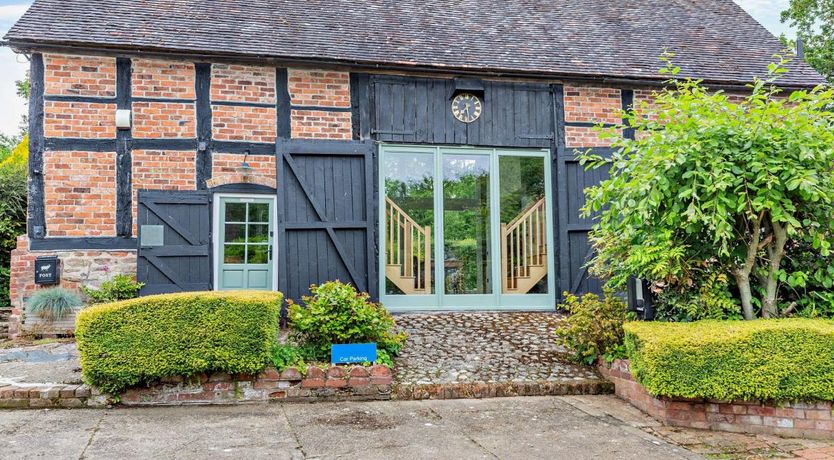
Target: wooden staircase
524, 250
408, 251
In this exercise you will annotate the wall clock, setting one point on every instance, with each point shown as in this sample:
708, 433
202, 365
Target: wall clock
466, 107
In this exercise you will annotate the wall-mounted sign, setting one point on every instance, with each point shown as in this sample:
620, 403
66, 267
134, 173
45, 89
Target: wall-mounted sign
351, 353
46, 270
151, 236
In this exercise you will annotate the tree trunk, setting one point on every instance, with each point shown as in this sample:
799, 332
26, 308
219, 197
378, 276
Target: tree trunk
776, 252
743, 282
742, 273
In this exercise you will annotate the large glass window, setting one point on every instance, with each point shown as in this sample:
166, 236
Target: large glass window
466, 224
465, 228
409, 223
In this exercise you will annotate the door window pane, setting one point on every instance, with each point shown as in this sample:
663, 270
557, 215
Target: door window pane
466, 224
258, 233
259, 212
524, 231
235, 212
257, 254
235, 233
409, 223
234, 253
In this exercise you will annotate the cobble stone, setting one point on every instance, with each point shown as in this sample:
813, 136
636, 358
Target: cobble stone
485, 348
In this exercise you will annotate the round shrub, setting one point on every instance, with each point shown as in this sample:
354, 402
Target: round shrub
337, 313
141, 340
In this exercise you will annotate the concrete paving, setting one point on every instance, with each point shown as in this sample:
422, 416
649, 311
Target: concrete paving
506, 428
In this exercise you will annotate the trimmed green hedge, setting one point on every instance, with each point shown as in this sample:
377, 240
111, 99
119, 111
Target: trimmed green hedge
778, 360
140, 340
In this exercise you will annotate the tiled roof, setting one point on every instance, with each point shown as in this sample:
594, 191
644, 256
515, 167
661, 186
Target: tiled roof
713, 39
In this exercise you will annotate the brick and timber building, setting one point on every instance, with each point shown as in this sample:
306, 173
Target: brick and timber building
423, 152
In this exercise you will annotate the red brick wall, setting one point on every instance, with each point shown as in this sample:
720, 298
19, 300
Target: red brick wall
245, 124
226, 169
588, 104
163, 79
319, 124
242, 84
79, 75
80, 193
325, 89
794, 419
80, 120
162, 170
164, 120
239, 83
319, 88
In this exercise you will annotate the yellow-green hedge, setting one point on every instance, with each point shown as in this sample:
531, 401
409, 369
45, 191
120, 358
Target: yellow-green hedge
136, 341
779, 360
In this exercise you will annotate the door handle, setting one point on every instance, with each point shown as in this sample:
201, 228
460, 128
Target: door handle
270, 253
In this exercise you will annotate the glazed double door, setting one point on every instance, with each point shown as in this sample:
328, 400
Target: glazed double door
465, 228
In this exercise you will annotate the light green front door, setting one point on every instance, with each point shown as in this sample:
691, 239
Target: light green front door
246, 238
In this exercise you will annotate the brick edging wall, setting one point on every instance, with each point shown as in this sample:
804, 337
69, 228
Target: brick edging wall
337, 383
791, 419
42, 396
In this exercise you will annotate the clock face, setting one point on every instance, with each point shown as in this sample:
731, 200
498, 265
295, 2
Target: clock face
466, 107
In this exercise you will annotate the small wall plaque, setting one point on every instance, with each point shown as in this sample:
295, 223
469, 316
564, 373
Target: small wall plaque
152, 236
351, 353
46, 270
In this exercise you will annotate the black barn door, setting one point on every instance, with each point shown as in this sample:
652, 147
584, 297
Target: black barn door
174, 241
326, 215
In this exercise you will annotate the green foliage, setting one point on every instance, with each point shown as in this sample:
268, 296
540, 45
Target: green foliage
594, 328
13, 199
337, 313
814, 22
779, 360
808, 282
140, 340
120, 287
708, 297
52, 304
716, 181
285, 355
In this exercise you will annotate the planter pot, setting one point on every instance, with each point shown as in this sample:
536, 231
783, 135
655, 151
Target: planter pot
33, 324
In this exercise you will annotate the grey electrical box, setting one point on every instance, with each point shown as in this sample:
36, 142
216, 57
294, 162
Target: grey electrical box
152, 236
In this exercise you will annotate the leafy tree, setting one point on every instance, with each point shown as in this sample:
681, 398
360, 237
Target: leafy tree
714, 184
13, 180
814, 22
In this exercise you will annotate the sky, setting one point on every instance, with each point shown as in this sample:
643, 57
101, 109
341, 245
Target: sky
13, 67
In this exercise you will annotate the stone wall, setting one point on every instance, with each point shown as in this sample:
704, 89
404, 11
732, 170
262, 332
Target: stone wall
78, 268
793, 419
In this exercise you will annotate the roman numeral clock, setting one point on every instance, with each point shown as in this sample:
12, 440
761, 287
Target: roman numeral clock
467, 107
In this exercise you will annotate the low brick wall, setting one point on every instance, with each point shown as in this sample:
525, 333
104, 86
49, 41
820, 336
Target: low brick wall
792, 419
22, 396
500, 389
333, 384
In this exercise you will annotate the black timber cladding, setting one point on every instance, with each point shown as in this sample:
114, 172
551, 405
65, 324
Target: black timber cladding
124, 162
418, 111
326, 215
37, 215
183, 262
